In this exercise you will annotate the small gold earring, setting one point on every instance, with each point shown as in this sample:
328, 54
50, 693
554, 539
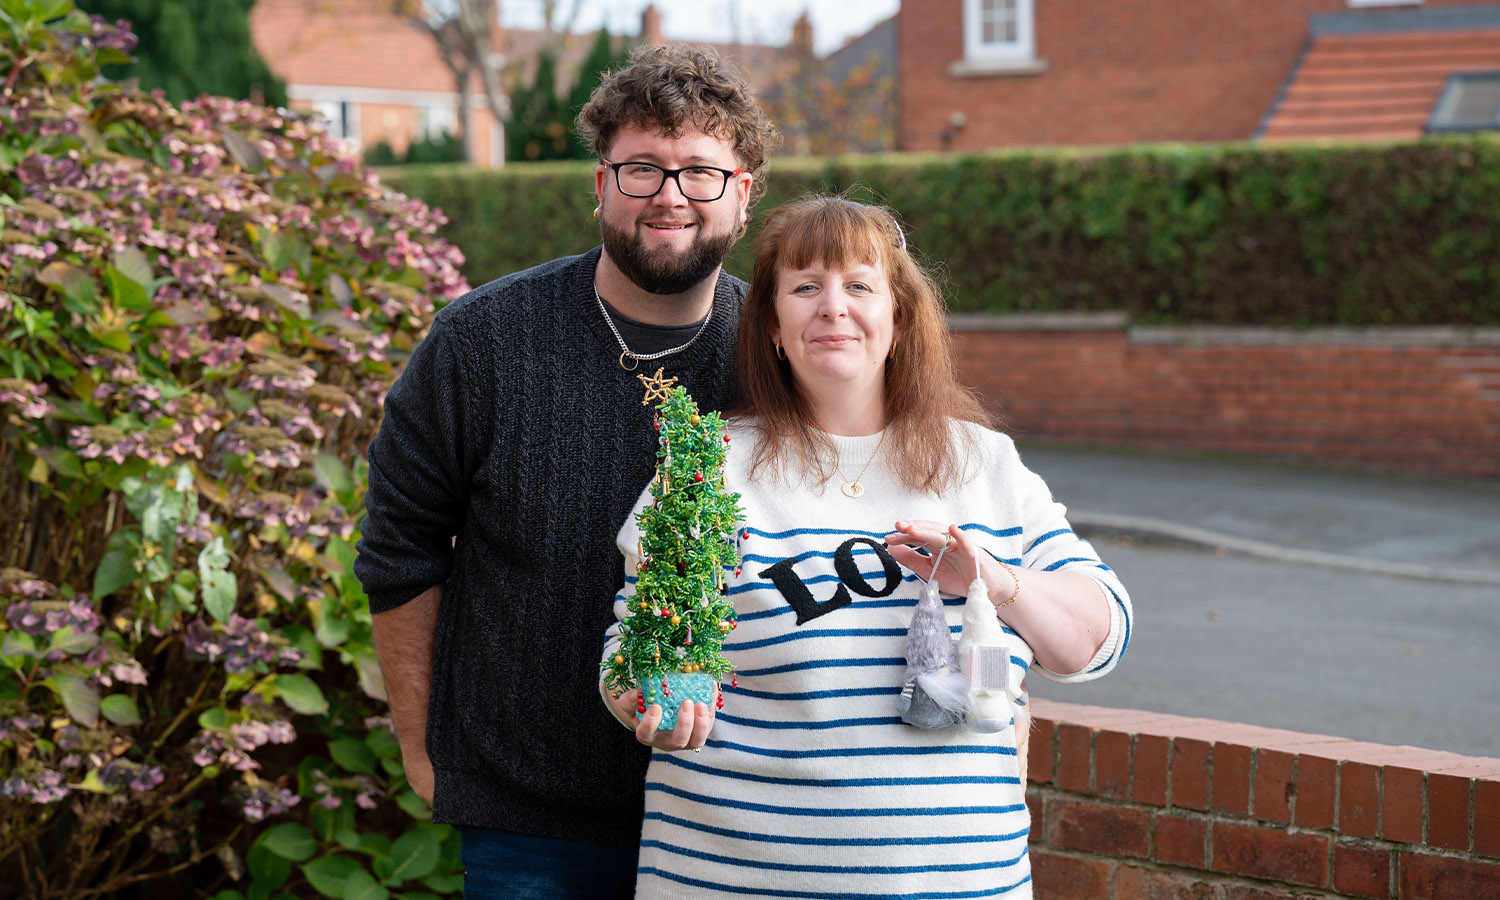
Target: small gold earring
891, 354
596, 212
780, 354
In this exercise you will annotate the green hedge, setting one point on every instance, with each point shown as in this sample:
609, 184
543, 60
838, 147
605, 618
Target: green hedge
1405, 233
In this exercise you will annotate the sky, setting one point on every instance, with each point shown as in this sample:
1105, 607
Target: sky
759, 21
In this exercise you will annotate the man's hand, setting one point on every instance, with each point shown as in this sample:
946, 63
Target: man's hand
403, 641
418, 771
694, 722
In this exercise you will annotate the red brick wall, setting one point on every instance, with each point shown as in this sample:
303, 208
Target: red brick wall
1418, 399
1128, 805
1119, 72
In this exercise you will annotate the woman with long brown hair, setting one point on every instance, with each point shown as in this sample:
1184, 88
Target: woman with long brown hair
840, 765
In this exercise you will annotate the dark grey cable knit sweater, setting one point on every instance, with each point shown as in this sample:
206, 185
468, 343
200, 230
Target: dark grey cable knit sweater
514, 429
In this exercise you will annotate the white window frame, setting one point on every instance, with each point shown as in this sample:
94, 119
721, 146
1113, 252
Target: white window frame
1022, 49
1356, 4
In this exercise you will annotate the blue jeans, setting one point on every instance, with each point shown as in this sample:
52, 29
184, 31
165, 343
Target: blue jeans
502, 865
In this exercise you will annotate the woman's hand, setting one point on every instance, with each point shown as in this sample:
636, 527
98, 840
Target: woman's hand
1064, 616
957, 570
694, 722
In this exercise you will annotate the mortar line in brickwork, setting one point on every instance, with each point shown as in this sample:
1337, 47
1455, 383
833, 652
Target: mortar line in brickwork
1424, 834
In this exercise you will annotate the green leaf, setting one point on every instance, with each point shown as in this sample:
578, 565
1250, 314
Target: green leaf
301, 694
17, 643
374, 845
76, 284
414, 806
64, 462
244, 152
327, 874
80, 700
69, 641
444, 884
383, 744
279, 581
268, 870
120, 710
414, 855
361, 886
352, 755
214, 719
371, 678
289, 841
216, 583
125, 293
333, 473
117, 568
332, 631
115, 337
133, 264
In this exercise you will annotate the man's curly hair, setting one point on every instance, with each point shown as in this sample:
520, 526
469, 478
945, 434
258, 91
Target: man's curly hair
676, 87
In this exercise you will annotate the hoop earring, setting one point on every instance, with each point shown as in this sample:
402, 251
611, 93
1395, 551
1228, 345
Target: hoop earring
891, 353
780, 354
596, 212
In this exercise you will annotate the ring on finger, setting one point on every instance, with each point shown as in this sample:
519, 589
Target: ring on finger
948, 541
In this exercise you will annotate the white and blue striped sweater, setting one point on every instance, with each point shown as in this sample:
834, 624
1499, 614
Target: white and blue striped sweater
811, 786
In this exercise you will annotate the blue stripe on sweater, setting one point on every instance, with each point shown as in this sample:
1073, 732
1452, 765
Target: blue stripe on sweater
1125, 642
826, 664
813, 695
833, 870
862, 550
1046, 537
841, 895
828, 632
835, 752
675, 760
818, 725
797, 532
908, 602
818, 841
1076, 559
1003, 532
835, 812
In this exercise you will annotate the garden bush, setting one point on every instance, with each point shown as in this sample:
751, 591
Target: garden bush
1368, 234
201, 308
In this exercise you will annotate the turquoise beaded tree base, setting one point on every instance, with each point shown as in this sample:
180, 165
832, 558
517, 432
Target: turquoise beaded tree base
695, 686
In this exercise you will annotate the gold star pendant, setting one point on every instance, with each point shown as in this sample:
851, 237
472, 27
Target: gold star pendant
657, 387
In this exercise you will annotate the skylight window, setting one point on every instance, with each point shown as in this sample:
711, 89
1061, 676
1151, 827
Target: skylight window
1469, 102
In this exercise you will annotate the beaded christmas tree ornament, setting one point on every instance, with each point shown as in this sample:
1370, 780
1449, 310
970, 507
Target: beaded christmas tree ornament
672, 636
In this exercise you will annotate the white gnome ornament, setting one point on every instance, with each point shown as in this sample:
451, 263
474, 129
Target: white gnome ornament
984, 655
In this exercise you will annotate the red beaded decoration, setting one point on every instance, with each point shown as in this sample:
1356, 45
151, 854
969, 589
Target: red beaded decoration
697, 476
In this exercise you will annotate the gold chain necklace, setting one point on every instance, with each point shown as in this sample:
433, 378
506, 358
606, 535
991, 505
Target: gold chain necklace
852, 488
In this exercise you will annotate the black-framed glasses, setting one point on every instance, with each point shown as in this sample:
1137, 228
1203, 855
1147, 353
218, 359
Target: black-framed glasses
701, 183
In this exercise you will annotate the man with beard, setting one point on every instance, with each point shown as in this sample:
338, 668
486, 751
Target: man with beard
514, 445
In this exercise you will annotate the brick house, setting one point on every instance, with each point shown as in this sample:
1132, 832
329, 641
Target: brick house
976, 74
377, 78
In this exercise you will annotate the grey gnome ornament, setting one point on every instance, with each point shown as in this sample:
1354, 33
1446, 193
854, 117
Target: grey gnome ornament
936, 690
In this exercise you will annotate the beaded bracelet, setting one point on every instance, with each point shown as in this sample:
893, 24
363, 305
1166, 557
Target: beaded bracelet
1013, 594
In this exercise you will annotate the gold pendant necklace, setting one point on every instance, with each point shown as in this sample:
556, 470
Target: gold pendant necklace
853, 488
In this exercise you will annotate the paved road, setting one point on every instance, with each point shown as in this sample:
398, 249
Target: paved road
1336, 602
1306, 648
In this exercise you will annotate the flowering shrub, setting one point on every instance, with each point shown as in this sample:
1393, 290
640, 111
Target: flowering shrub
201, 309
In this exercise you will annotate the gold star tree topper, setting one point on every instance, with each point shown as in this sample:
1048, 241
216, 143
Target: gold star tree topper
657, 387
